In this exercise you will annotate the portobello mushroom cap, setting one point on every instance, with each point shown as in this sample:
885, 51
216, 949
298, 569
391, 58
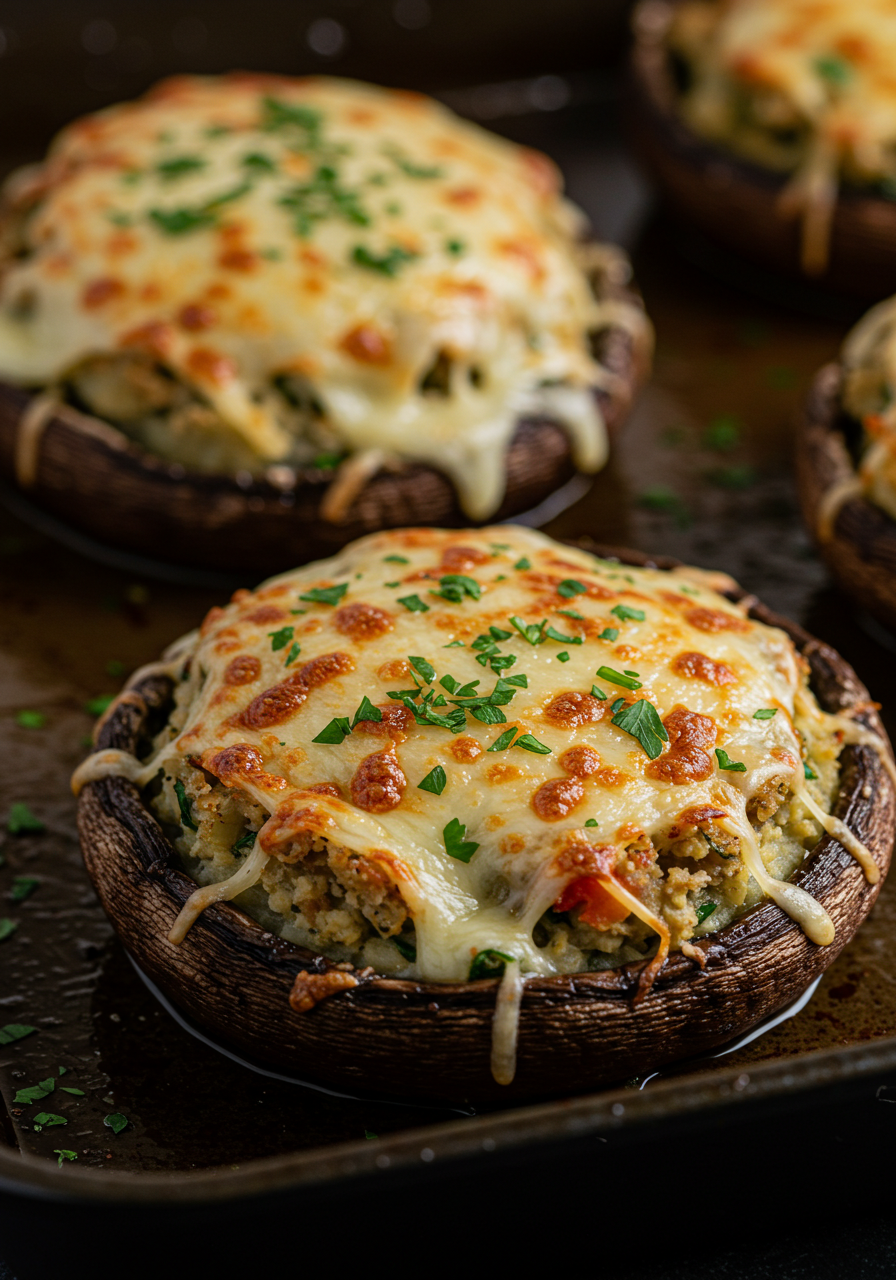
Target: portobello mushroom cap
432, 1040
735, 202
89, 475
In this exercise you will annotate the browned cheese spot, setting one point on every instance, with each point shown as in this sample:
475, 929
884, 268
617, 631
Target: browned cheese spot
277, 704
697, 666
215, 614
581, 762
691, 736
266, 614
465, 750
239, 763
395, 724
367, 345
556, 798
462, 559
362, 622
396, 669
711, 620
499, 773
696, 816
572, 709
378, 783
243, 670
310, 988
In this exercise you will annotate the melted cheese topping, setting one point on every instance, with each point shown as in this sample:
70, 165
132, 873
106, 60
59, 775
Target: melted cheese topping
796, 85
248, 229
562, 646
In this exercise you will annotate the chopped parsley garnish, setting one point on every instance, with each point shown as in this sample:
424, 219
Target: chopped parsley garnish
244, 842
624, 613
591, 822
320, 198
618, 677
406, 949
552, 633
294, 652
765, 713
642, 721
455, 586
277, 114
22, 819
423, 668
489, 964
502, 742
177, 166
723, 433
809, 772
7, 928
455, 844
571, 587
64, 1155
14, 1031
366, 711
435, 781
409, 168
280, 639
455, 644
68, 1088
523, 563
391, 584
96, 706
455, 247
186, 808
528, 743
325, 595
661, 498
23, 887
532, 632
617, 705
387, 264
598, 693
116, 1122
258, 162
572, 613
396, 560
609, 633
563, 656
705, 910
736, 477
832, 68
35, 1092
327, 461
31, 719
416, 605
732, 766
488, 714
46, 1120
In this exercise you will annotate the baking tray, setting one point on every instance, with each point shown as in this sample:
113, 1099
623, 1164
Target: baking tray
702, 472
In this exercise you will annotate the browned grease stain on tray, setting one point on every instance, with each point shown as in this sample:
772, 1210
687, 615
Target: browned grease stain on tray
702, 473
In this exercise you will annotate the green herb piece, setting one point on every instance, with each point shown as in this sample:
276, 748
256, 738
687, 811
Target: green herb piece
502, 662
277, 114
177, 222
705, 910
532, 632
7, 928
591, 822
455, 644
387, 264
35, 1092
294, 652
320, 198
116, 1122
423, 668
455, 586
415, 605
642, 721
31, 719
809, 772
367, 711
609, 633
737, 477
77, 1093
370, 1135
572, 613
217, 130
502, 742
22, 819
489, 964
396, 560
280, 639
258, 162
563, 656
449, 683
689, 591
455, 844
523, 563
455, 247
409, 168
618, 677
765, 713
488, 714
244, 842
617, 704
46, 1120
327, 461
662, 499
406, 949
528, 743
14, 1031
186, 807
551, 633
325, 595
64, 1155
571, 587
23, 887
598, 693
732, 766
177, 166
834, 69
335, 732
723, 433
96, 706
435, 781
625, 614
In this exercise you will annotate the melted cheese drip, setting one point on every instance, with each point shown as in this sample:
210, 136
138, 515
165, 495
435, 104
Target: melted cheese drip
236, 243
801, 85
506, 1023
523, 860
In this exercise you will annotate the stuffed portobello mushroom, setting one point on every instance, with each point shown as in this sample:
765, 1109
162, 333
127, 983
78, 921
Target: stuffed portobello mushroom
479, 795
771, 127
246, 319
